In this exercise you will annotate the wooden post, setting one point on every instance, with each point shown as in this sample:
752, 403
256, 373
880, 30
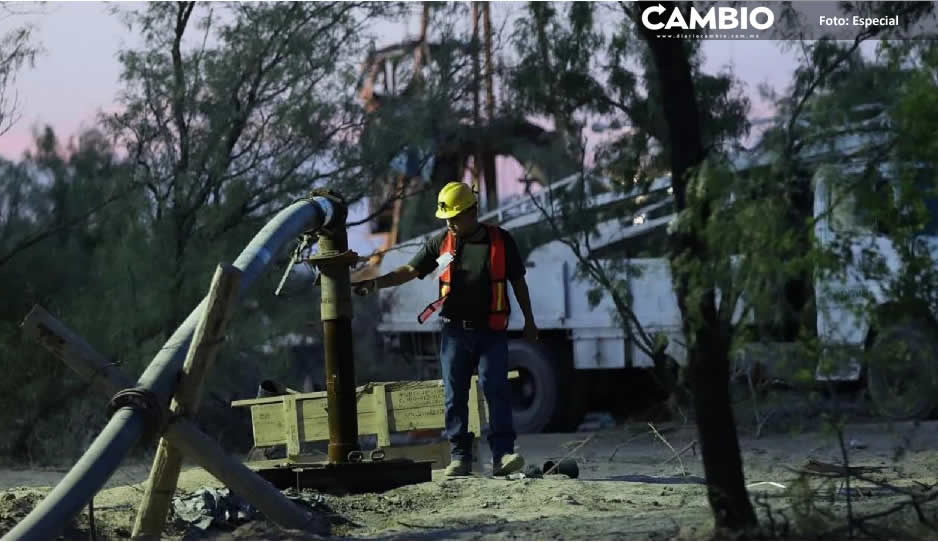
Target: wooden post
183, 433
201, 355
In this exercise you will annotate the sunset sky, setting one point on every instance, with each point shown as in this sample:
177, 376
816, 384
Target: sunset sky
77, 76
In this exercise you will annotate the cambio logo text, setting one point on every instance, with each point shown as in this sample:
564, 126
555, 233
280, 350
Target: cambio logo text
716, 18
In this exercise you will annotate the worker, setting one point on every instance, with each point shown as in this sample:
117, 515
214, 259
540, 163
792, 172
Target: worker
478, 260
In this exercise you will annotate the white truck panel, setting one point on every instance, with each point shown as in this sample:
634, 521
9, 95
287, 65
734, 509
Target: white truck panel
599, 352
653, 297
407, 300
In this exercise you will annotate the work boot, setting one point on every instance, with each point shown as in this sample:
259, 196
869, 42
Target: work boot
507, 464
458, 467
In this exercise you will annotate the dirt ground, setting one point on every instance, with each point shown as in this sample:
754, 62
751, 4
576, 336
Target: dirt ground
627, 489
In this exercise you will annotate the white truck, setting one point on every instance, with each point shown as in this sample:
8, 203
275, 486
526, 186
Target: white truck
586, 357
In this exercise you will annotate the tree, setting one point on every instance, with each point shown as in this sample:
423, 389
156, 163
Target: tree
687, 123
425, 113
17, 50
716, 213
51, 235
565, 80
221, 129
227, 126
704, 321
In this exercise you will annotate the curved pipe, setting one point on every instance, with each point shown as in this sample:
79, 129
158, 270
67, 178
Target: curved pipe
126, 426
160, 376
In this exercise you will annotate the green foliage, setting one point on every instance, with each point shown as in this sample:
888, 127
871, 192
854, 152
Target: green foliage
229, 113
559, 74
51, 258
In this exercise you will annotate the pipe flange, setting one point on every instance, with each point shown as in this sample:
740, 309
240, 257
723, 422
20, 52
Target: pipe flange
145, 401
328, 194
348, 257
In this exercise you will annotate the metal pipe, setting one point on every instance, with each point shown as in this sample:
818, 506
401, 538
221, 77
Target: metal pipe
126, 426
160, 376
182, 433
336, 315
73, 492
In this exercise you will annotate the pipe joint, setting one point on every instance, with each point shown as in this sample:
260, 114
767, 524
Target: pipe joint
332, 205
328, 210
324, 259
145, 401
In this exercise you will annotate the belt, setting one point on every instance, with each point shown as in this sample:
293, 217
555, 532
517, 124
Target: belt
470, 325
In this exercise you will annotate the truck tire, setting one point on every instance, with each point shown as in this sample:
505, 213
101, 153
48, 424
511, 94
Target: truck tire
902, 371
534, 397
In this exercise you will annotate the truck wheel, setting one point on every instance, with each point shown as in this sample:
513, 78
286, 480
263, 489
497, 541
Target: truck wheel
902, 371
534, 392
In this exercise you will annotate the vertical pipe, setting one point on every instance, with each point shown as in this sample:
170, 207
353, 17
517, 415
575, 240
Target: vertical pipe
336, 313
488, 158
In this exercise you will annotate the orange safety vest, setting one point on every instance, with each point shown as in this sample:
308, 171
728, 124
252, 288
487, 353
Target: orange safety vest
498, 305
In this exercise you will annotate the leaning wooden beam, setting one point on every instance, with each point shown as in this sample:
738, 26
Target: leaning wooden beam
167, 463
182, 433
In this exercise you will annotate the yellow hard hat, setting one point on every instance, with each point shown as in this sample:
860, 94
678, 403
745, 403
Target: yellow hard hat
454, 198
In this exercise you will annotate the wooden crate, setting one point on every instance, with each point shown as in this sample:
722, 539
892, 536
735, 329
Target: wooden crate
383, 408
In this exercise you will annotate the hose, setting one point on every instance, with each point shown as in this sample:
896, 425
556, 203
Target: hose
127, 425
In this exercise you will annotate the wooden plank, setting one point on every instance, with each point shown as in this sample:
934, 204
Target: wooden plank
483, 407
291, 425
269, 426
410, 406
413, 419
242, 481
200, 357
103, 375
382, 427
317, 429
366, 389
267, 421
404, 386
182, 433
475, 426
415, 398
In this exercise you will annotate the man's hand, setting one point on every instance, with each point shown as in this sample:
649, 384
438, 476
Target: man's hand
365, 287
530, 331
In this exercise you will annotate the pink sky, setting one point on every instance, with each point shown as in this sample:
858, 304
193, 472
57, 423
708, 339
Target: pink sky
78, 74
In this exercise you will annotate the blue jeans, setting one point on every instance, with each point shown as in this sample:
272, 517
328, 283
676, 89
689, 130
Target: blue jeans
461, 352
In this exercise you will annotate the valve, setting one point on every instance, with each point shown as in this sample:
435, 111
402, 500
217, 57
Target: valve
300, 254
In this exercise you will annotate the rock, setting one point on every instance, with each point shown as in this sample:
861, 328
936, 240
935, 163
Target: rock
533, 471
594, 421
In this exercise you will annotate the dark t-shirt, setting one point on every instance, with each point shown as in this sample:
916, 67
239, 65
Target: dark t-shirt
471, 294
